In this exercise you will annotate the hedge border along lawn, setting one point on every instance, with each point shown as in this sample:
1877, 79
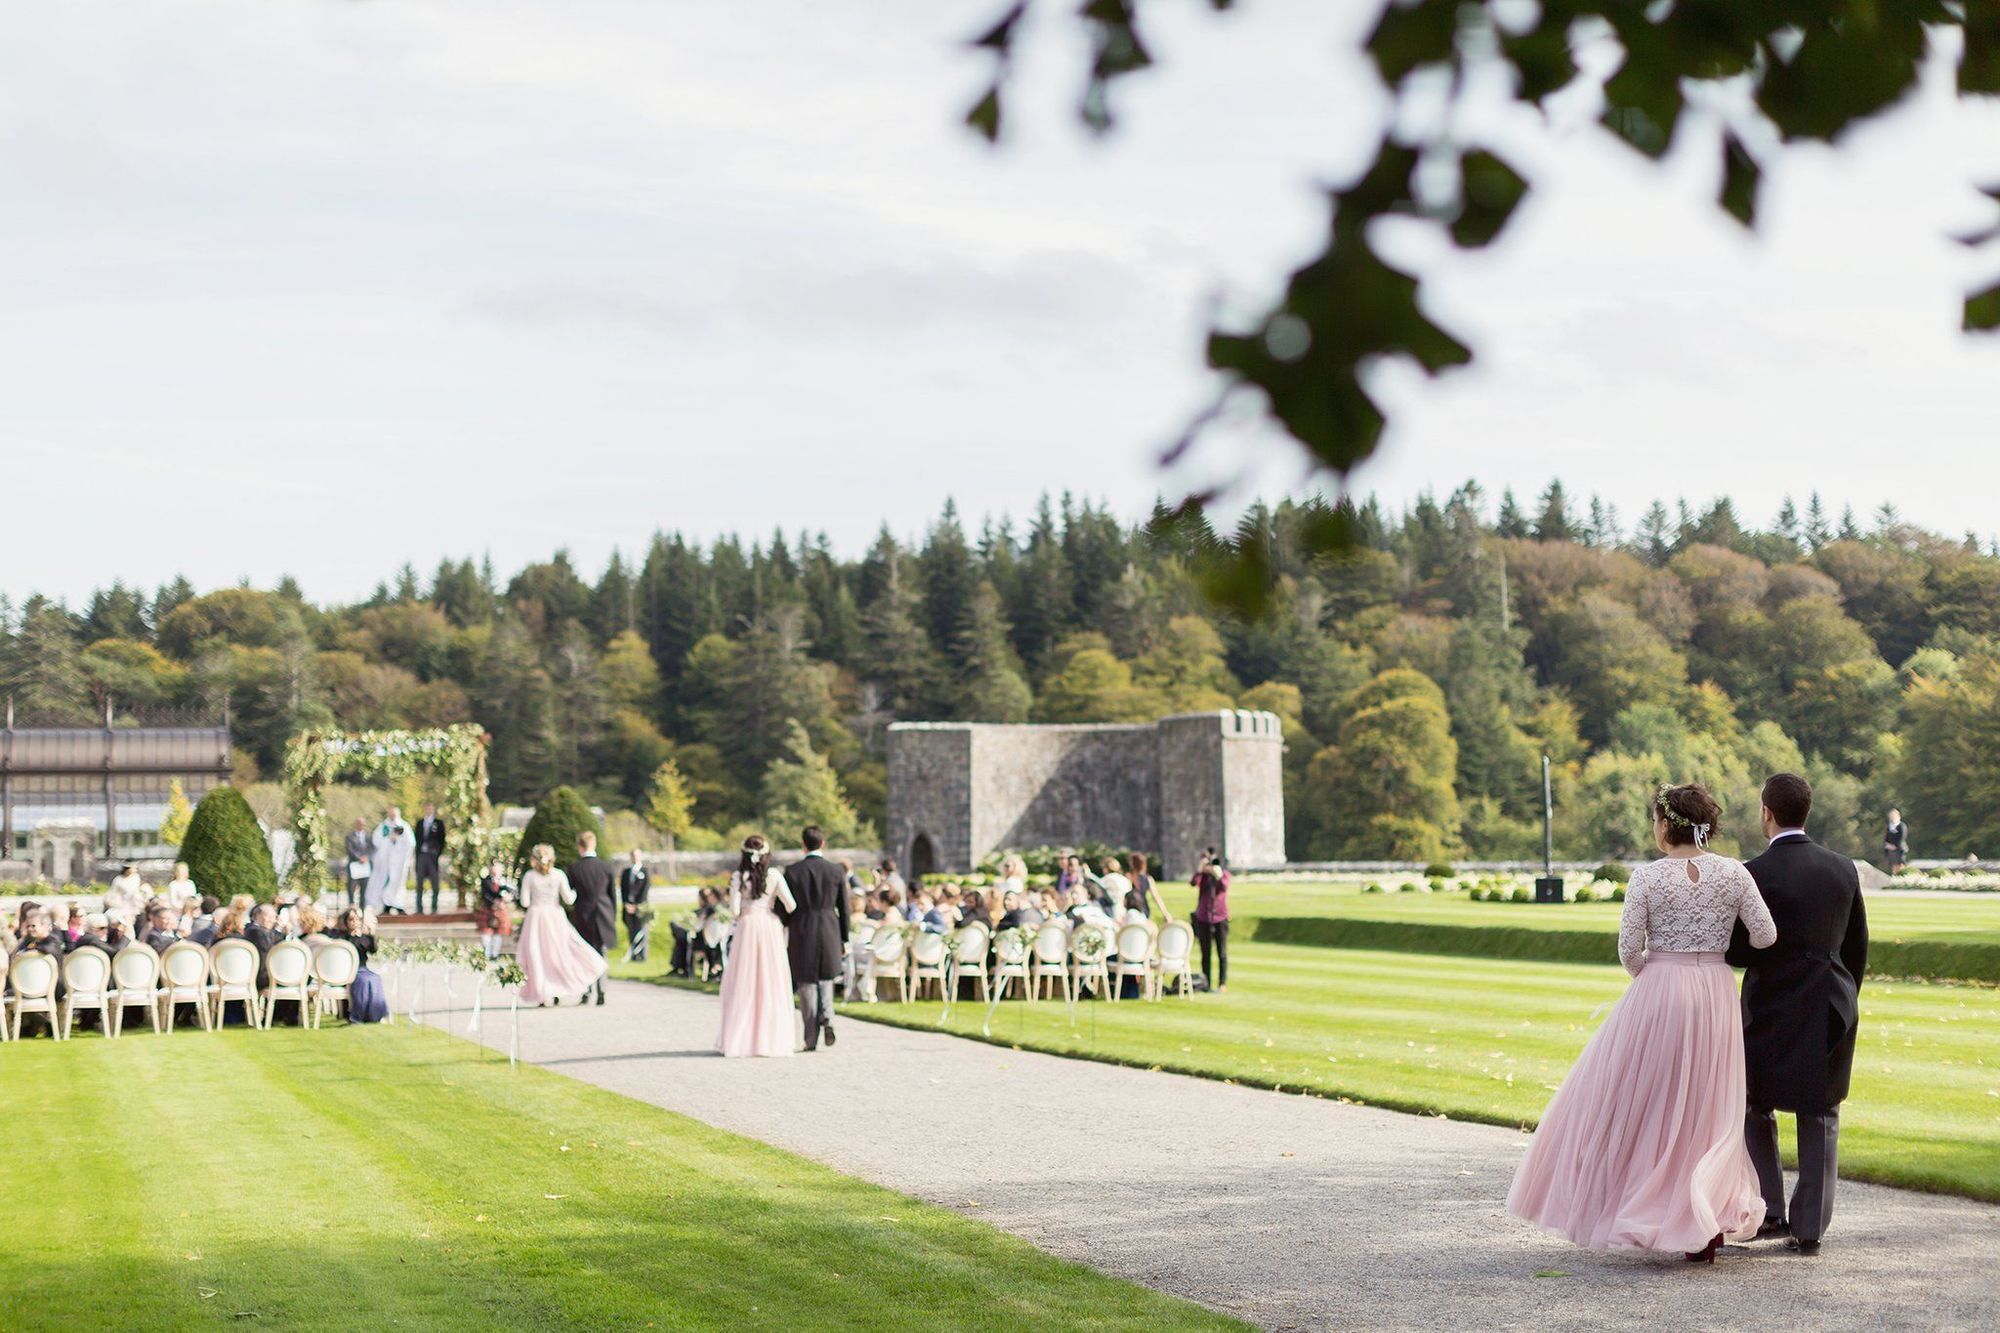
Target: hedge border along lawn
378, 1177
1942, 960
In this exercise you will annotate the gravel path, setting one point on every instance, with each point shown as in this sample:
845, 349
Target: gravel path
1292, 1212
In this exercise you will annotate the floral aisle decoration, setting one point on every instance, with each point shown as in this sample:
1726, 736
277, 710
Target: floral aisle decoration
458, 752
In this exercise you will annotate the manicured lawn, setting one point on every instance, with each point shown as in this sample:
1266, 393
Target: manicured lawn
384, 1177
1489, 1039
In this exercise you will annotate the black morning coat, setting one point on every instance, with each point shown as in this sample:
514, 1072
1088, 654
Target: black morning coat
1801, 996
593, 913
816, 927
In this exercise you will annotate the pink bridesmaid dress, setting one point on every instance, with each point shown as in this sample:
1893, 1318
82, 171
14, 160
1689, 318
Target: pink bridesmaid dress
555, 960
757, 1013
1642, 1146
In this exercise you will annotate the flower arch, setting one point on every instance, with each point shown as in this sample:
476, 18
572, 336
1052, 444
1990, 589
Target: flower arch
315, 758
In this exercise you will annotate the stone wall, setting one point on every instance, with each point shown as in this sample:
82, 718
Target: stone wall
959, 791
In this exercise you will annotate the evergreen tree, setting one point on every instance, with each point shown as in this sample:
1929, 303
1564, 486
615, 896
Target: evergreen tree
1654, 539
225, 850
559, 819
630, 677
514, 699
116, 612
1553, 523
949, 581
1606, 533
898, 656
1850, 531
1511, 523
992, 686
1041, 598
1817, 533
801, 788
614, 602
43, 671
171, 594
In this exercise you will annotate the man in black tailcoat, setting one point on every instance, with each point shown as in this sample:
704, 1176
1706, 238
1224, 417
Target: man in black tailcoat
816, 933
1801, 1010
635, 893
594, 913
430, 856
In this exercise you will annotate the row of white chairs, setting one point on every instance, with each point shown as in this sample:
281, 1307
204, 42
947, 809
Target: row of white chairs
316, 973
1157, 957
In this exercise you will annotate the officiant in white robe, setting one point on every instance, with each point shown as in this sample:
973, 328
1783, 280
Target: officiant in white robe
389, 867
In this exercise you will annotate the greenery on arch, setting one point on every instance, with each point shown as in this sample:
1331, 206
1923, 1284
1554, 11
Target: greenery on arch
458, 752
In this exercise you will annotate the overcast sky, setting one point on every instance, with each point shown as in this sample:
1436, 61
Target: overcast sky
294, 286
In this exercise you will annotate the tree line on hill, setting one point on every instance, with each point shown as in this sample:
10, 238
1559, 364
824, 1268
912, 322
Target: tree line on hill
1421, 674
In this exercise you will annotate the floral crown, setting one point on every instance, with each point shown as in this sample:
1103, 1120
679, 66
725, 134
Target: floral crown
1673, 816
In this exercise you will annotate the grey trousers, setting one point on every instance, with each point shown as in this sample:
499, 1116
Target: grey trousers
1819, 1152
816, 1008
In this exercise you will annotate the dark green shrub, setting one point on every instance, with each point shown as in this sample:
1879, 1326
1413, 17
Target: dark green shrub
225, 849
1618, 894
1617, 872
1440, 870
1521, 894
1407, 886
557, 821
1373, 888
1584, 895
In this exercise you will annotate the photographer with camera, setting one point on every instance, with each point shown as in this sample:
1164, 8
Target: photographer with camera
1211, 917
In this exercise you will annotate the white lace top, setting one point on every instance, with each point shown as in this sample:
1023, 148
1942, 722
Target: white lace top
1691, 905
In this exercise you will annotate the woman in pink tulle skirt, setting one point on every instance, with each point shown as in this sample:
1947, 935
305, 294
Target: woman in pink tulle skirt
757, 1017
1642, 1147
555, 960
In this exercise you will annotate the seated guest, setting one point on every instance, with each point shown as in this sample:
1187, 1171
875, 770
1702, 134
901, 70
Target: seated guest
366, 1001
1048, 904
93, 934
9, 941
202, 925
262, 931
878, 907
159, 936
180, 888
118, 931
75, 925
38, 933
972, 909
1112, 888
307, 921
1016, 912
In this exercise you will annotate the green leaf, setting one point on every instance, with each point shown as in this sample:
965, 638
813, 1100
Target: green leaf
1643, 101
1982, 311
1000, 37
1489, 191
984, 118
1412, 35
1845, 71
1740, 177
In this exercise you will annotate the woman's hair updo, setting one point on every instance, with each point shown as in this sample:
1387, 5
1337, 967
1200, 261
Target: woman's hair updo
755, 866
1691, 814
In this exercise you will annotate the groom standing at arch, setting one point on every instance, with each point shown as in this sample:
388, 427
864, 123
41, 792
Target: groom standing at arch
1801, 1009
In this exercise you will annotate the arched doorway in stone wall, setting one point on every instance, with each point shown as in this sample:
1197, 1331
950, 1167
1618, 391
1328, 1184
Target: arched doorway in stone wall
923, 858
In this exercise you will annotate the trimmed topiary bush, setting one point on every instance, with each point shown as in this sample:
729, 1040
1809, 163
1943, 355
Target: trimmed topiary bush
1583, 895
225, 849
1617, 872
1440, 870
1406, 886
557, 821
1521, 894
1373, 888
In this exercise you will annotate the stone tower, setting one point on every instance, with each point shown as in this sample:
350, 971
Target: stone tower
959, 791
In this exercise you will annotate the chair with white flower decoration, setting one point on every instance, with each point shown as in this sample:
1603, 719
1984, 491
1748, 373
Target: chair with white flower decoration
1051, 957
854, 963
35, 976
715, 938
1011, 948
334, 968
969, 946
889, 960
233, 976
1170, 961
1090, 953
135, 976
1135, 956
287, 976
930, 952
184, 974
86, 983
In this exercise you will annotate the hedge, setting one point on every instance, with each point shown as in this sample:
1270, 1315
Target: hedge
225, 849
557, 821
1937, 959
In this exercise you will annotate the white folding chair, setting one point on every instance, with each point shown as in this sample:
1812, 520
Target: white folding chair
1096, 971
888, 960
35, 990
5, 1002
233, 973
86, 981
184, 973
334, 968
1051, 957
135, 976
970, 946
1010, 953
1170, 963
715, 935
928, 952
287, 976
1135, 957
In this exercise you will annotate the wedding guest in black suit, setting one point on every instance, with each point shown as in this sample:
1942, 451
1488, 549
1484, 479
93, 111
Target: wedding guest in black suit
593, 913
1801, 1010
263, 932
635, 890
159, 935
93, 934
430, 854
816, 933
